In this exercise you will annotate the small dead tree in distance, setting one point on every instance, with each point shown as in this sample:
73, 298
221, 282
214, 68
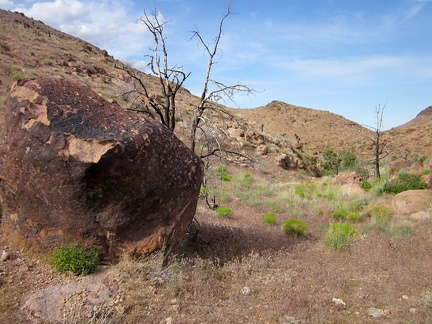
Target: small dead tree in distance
378, 143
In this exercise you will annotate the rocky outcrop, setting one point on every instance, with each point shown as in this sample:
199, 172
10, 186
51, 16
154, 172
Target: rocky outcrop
76, 167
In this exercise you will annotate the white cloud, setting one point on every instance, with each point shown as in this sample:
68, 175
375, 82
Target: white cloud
56, 12
415, 9
6, 4
110, 24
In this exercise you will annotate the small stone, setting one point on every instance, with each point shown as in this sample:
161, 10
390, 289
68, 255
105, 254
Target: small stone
375, 312
4, 256
246, 290
413, 310
338, 302
288, 320
405, 297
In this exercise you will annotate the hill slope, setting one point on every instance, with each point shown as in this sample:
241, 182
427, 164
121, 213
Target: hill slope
29, 48
318, 130
413, 138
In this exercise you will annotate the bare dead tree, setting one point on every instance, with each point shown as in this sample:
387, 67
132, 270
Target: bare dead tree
213, 91
170, 79
205, 123
378, 143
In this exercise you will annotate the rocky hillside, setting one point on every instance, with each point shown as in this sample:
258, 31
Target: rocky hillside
29, 48
413, 138
317, 130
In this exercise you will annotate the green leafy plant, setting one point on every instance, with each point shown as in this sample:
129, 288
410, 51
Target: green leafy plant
223, 212
331, 162
380, 214
223, 173
353, 216
294, 226
341, 213
78, 259
269, 218
349, 160
339, 236
404, 182
302, 191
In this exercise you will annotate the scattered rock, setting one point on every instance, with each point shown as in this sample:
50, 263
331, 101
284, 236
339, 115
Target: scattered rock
413, 310
376, 312
246, 291
421, 215
347, 178
4, 256
75, 299
290, 162
288, 320
338, 302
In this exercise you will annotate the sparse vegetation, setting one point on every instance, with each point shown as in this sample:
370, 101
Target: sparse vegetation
404, 182
223, 212
294, 226
223, 173
339, 236
269, 218
77, 259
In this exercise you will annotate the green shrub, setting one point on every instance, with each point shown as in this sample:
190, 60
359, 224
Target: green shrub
341, 213
331, 162
18, 76
223, 172
353, 216
269, 218
380, 214
301, 190
223, 212
404, 182
339, 236
294, 226
365, 185
78, 259
349, 160
247, 180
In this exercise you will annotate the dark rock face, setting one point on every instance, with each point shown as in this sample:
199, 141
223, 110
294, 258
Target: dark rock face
76, 167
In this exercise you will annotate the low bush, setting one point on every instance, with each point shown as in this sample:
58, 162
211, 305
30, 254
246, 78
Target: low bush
223, 172
353, 216
78, 259
340, 213
223, 212
294, 226
404, 182
269, 218
339, 236
247, 180
380, 214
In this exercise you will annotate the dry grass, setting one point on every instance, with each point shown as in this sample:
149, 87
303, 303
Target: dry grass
240, 270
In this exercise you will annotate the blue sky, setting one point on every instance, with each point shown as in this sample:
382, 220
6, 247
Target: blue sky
344, 56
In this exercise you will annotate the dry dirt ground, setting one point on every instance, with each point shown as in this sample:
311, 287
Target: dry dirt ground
237, 270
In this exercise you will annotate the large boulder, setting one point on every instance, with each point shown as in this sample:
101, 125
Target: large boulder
75, 167
410, 202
